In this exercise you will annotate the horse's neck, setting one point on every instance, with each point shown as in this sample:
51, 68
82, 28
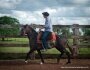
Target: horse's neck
33, 34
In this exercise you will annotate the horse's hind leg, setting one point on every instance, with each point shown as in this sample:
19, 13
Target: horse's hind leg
62, 52
68, 55
58, 59
60, 55
39, 53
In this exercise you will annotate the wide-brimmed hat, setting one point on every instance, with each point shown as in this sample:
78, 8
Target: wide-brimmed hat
45, 13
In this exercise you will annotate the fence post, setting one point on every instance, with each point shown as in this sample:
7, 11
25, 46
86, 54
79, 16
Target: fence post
75, 28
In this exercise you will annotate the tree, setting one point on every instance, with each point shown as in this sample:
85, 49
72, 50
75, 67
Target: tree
86, 31
9, 26
66, 32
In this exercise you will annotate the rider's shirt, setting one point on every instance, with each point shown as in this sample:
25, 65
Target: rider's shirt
48, 24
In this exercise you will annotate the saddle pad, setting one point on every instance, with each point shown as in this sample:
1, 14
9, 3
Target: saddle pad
52, 36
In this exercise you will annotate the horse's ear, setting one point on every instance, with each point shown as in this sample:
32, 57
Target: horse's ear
25, 25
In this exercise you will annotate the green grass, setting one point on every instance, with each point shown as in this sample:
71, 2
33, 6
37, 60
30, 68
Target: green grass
84, 51
70, 41
14, 49
26, 49
15, 41
21, 40
26, 41
23, 50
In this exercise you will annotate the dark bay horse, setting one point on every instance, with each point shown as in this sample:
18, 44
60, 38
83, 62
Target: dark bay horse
32, 36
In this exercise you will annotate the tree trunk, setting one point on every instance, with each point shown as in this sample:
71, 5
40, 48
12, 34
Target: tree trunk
3, 39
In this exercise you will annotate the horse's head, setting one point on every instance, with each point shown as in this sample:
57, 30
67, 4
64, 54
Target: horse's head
25, 30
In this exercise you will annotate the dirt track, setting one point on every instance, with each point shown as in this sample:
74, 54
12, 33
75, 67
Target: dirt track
77, 64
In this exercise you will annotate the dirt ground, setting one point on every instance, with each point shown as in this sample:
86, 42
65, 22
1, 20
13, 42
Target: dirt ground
50, 64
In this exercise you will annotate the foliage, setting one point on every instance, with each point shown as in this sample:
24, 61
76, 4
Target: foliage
8, 26
8, 20
86, 31
63, 31
66, 32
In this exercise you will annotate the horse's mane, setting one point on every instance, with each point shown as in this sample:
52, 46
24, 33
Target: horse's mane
31, 28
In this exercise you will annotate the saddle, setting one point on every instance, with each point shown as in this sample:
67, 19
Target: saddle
51, 39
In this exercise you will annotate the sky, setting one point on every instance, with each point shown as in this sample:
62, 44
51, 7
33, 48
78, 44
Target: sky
62, 12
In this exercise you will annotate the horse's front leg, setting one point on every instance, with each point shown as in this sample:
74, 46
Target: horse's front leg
28, 54
40, 54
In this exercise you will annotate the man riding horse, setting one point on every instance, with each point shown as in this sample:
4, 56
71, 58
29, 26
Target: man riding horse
33, 35
48, 29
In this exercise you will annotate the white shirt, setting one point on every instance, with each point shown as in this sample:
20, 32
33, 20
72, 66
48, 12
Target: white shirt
48, 24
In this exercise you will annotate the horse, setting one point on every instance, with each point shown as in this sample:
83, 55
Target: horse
32, 36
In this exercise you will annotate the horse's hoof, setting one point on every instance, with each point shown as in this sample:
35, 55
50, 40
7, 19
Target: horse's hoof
68, 62
41, 63
26, 61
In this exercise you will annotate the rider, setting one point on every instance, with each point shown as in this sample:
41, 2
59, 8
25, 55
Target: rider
48, 29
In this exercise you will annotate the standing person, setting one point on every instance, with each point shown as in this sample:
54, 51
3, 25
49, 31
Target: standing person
48, 29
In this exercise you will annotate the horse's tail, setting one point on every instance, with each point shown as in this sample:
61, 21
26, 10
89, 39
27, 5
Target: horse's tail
70, 49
